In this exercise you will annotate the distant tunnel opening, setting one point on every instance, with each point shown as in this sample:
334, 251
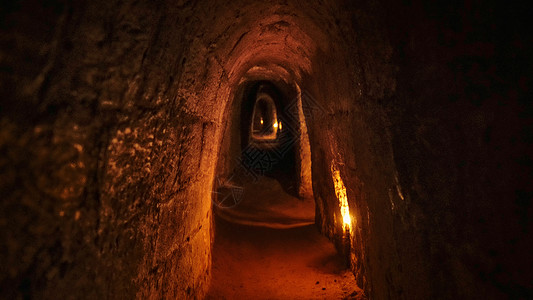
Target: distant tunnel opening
262, 144
264, 118
268, 149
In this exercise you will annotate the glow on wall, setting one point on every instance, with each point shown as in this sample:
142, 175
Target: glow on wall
340, 192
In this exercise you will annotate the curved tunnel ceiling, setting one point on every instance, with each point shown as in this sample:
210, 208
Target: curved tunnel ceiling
286, 42
283, 36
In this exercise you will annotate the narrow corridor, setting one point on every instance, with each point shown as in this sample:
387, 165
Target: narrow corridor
281, 149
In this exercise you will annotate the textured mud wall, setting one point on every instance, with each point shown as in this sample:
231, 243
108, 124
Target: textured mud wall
461, 144
106, 160
432, 142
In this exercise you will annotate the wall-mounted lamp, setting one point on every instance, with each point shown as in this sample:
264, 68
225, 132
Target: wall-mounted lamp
340, 192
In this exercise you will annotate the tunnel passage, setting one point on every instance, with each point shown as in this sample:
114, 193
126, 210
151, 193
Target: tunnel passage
263, 225
266, 148
277, 138
116, 121
267, 160
264, 118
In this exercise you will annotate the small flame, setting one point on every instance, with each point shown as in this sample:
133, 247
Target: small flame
261, 121
340, 192
275, 125
279, 126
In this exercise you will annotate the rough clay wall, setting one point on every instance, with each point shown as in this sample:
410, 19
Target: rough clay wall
432, 141
105, 158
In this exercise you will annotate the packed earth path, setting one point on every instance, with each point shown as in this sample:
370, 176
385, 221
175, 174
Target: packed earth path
258, 260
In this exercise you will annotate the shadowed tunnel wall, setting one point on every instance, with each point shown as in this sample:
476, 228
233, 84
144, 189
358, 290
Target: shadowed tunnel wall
113, 113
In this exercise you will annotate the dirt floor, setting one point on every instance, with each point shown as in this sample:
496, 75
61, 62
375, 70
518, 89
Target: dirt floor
265, 203
272, 258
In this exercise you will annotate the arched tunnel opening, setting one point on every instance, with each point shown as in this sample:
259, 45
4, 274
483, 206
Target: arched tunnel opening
241, 149
269, 135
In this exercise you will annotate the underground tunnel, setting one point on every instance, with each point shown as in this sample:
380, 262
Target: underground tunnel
323, 149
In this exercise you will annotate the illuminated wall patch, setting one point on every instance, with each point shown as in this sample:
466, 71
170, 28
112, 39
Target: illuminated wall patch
340, 192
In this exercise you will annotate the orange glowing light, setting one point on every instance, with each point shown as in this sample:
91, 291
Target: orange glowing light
279, 126
340, 192
275, 125
261, 121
